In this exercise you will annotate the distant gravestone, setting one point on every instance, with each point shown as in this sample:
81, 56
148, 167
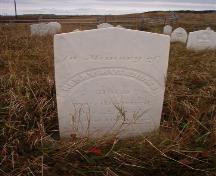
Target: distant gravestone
110, 80
201, 40
209, 29
54, 27
104, 25
167, 30
76, 30
39, 29
179, 35
43, 29
119, 26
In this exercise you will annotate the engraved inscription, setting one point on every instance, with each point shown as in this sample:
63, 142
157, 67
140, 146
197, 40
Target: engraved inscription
109, 102
112, 71
97, 57
179, 34
129, 101
113, 91
105, 101
204, 39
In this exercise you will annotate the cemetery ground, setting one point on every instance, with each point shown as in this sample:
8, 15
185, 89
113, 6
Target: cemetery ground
185, 144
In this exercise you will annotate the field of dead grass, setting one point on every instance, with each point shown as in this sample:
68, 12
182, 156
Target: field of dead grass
184, 145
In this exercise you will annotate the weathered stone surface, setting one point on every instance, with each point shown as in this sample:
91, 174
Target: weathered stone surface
119, 26
201, 40
54, 27
209, 29
110, 80
179, 35
43, 29
104, 25
167, 30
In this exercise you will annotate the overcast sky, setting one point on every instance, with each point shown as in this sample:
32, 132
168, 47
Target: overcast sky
101, 6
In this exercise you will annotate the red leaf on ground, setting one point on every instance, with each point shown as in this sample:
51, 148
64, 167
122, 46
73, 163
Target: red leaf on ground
205, 154
185, 161
95, 150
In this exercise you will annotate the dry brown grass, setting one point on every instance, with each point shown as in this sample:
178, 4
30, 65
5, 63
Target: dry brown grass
184, 145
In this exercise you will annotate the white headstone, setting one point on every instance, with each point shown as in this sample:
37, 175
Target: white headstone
209, 29
43, 29
54, 27
110, 80
201, 40
104, 25
39, 29
119, 26
179, 35
167, 30
76, 30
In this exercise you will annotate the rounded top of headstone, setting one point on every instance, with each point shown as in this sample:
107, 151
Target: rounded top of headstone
167, 29
180, 30
53, 22
54, 25
168, 26
179, 35
209, 29
43, 29
104, 25
119, 26
76, 30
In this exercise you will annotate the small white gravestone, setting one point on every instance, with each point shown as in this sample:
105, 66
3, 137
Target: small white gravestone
201, 40
110, 80
179, 35
209, 29
104, 25
54, 27
38, 29
167, 30
43, 29
119, 26
76, 30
